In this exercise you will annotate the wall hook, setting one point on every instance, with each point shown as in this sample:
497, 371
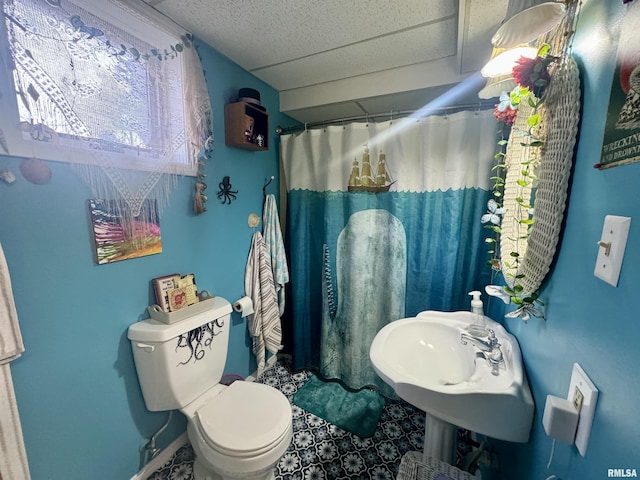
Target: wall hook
264, 188
253, 220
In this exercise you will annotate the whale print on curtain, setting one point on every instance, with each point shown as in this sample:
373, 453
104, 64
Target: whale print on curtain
361, 259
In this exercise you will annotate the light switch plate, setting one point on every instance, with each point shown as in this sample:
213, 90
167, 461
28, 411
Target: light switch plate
611, 248
580, 380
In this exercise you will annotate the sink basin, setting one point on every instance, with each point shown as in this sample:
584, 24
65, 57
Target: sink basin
424, 361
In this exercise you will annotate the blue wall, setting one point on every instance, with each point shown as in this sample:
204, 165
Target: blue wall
82, 412
588, 321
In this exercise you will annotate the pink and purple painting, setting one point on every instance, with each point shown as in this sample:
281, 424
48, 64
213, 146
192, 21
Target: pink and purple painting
118, 238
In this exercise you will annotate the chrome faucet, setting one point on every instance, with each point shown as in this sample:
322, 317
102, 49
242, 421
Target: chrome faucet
488, 347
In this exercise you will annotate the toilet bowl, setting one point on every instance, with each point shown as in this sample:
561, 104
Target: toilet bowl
238, 431
242, 432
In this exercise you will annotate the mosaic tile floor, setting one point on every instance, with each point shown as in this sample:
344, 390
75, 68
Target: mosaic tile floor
322, 451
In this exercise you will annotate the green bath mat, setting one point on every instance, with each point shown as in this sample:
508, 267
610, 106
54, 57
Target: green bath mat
356, 412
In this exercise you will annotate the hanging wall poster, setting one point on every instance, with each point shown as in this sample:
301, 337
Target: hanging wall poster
621, 143
116, 239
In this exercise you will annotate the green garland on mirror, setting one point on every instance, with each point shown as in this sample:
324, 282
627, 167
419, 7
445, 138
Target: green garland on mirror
531, 76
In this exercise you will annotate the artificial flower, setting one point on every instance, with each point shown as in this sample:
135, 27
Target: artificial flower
505, 101
506, 115
533, 73
493, 213
525, 311
495, 264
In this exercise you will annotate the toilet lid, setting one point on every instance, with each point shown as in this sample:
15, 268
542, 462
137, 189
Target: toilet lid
245, 417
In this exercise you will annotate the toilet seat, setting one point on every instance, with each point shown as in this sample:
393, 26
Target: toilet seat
245, 419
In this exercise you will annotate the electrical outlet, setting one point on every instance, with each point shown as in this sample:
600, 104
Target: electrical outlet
582, 388
578, 398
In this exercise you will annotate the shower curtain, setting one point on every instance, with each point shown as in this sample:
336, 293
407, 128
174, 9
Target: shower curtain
383, 221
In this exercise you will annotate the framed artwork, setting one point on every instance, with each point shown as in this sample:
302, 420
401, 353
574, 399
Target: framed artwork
621, 144
117, 238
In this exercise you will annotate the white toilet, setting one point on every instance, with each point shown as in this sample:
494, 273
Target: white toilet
237, 431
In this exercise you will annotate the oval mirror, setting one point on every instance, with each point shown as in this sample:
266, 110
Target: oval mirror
538, 162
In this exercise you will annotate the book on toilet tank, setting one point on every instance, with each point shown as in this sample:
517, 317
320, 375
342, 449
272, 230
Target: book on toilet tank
162, 286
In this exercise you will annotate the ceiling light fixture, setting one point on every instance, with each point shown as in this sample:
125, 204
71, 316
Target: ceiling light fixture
513, 38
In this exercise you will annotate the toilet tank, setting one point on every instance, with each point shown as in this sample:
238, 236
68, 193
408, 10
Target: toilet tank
176, 363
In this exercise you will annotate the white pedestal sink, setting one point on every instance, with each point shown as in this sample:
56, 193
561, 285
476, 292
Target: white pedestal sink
427, 364
439, 440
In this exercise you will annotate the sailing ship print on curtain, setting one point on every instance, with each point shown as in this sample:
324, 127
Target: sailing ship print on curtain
362, 179
383, 222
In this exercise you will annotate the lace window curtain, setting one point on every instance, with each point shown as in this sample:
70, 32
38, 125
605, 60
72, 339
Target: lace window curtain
112, 88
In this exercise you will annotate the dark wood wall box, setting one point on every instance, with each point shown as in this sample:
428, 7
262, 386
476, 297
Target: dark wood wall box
246, 126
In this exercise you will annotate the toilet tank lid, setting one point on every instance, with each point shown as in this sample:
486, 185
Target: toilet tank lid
154, 331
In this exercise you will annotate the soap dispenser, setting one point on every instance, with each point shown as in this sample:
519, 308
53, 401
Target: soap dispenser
478, 325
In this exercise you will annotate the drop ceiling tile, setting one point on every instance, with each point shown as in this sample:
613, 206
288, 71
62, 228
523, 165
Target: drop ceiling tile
331, 53
483, 19
410, 47
256, 33
327, 112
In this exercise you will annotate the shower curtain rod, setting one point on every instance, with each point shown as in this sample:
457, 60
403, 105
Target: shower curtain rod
482, 105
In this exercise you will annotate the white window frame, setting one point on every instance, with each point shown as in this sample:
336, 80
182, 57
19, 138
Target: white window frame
155, 30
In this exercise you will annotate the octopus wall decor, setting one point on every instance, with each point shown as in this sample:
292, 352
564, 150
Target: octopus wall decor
226, 194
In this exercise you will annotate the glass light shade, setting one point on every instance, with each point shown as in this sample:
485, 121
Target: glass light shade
496, 85
529, 24
503, 64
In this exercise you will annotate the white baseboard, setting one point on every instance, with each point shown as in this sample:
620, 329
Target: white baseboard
163, 457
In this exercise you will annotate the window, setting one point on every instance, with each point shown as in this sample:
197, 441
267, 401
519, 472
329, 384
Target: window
94, 82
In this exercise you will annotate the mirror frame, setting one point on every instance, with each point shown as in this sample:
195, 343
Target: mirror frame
527, 251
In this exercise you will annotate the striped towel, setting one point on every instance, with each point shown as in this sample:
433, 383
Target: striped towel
264, 323
275, 247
